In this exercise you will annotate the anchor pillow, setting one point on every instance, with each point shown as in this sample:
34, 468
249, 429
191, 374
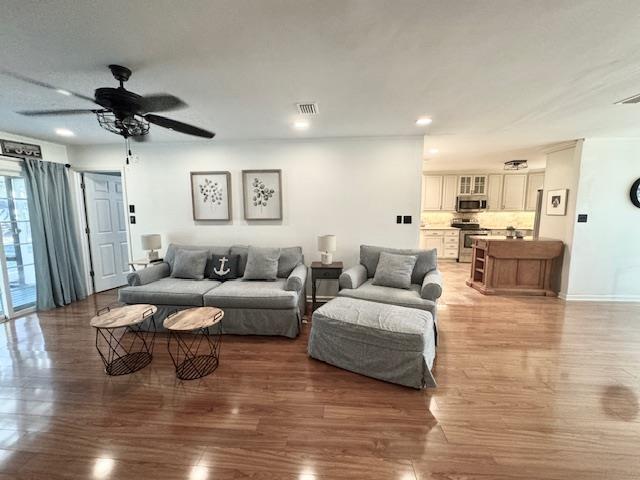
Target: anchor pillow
224, 267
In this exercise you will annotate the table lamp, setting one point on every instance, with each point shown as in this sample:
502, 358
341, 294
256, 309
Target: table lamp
326, 245
151, 242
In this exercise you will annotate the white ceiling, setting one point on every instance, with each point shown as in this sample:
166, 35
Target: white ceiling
496, 76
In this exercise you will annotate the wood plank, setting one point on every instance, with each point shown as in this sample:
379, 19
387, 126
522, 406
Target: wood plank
529, 387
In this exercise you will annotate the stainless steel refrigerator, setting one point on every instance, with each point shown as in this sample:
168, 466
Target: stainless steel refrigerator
536, 222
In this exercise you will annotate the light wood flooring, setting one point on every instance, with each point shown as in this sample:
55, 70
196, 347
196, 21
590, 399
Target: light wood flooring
529, 388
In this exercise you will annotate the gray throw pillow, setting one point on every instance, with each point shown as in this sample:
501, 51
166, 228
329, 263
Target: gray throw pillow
190, 264
262, 264
394, 270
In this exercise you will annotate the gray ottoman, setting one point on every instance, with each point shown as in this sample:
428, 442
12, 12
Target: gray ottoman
387, 342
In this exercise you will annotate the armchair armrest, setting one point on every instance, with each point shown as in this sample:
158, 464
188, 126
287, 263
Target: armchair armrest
148, 275
297, 279
432, 285
353, 277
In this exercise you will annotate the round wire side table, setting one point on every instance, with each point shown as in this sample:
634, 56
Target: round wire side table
122, 344
193, 347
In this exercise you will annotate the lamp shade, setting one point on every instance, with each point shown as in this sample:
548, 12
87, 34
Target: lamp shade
151, 241
327, 243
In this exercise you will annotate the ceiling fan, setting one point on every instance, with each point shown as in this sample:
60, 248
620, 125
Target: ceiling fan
122, 112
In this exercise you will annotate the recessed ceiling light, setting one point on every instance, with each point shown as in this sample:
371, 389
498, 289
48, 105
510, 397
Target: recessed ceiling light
63, 92
301, 124
433, 151
63, 132
422, 121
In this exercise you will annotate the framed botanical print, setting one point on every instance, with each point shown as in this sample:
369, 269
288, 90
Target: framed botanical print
557, 202
211, 195
262, 194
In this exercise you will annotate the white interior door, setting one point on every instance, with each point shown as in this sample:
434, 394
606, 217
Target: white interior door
107, 230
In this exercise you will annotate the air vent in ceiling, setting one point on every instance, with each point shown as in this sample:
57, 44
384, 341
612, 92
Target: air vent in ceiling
307, 108
634, 99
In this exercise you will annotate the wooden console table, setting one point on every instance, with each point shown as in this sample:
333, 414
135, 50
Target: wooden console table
504, 266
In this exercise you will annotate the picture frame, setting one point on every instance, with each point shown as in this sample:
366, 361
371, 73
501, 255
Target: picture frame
262, 194
211, 196
557, 202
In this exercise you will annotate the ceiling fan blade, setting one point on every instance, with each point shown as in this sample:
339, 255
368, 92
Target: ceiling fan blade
44, 113
179, 126
62, 91
160, 102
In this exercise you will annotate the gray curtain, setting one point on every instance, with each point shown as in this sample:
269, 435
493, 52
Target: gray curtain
56, 249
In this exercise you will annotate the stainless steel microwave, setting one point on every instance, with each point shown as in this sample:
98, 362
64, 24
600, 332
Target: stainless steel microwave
471, 203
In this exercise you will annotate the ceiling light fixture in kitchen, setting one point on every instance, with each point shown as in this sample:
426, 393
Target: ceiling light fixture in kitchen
515, 165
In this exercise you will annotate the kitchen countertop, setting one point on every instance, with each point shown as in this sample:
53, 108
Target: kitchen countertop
446, 227
524, 239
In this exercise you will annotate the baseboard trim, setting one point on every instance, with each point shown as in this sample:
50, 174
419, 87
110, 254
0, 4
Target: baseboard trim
600, 298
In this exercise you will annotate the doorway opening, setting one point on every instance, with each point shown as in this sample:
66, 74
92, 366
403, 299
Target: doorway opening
106, 229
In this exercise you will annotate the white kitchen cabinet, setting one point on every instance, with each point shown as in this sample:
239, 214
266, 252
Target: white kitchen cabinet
429, 242
479, 184
494, 192
513, 191
431, 192
535, 182
449, 192
465, 184
444, 241
472, 185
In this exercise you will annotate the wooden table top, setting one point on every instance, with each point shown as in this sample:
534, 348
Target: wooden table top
125, 316
322, 265
194, 318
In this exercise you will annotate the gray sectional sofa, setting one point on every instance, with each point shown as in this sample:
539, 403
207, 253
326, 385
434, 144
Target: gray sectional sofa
426, 281
251, 307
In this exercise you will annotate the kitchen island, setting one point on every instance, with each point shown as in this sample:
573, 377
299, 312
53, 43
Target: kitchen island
509, 266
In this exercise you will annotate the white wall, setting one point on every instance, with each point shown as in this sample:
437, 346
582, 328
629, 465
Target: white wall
562, 171
606, 251
353, 188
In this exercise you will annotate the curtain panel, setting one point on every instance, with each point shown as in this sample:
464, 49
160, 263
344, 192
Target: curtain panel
56, 248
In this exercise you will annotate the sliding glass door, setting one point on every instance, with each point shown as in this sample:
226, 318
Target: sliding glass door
16, 258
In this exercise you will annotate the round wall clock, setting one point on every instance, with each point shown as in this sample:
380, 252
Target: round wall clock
635, 193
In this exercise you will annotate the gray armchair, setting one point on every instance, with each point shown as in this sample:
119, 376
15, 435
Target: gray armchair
426, 280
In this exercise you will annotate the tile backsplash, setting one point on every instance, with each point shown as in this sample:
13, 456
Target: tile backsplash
519, 220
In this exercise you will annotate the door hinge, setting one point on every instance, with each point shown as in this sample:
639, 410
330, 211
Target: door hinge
92, 273
86, 230
82, 185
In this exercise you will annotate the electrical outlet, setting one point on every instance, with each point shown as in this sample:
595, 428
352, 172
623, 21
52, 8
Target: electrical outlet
132, 209
399, 219
582, 218
407, 219
132, 219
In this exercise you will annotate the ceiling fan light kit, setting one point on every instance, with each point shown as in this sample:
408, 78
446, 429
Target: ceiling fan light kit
515, 165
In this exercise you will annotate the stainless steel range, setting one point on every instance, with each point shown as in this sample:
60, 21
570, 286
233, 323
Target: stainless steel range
468, 228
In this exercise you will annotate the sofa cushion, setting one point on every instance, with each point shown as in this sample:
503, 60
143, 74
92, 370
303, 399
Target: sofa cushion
242, 251
290, 257
427, 260
393, 296
190, 264
170, 256
394, 270
262, 264
223, 267
255, 294
168, 291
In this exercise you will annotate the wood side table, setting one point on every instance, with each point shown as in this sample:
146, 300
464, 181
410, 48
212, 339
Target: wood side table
143, 262
323, 272
193, 348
